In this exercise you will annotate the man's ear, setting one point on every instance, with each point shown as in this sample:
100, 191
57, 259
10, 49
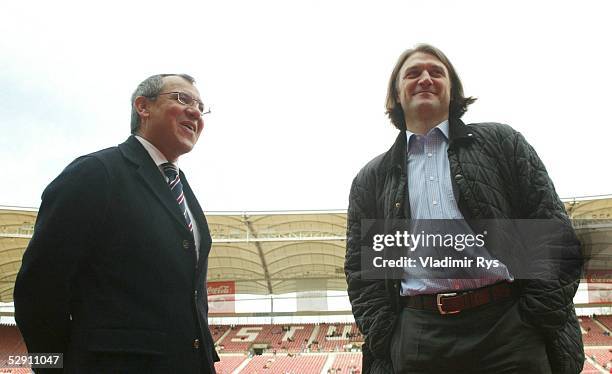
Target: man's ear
142, 106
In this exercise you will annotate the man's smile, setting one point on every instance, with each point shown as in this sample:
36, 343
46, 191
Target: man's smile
190, 126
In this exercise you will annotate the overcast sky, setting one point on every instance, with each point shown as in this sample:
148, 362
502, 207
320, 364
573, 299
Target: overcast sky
296, 87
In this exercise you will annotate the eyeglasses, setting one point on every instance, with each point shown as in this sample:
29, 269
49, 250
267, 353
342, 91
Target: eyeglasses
186, 99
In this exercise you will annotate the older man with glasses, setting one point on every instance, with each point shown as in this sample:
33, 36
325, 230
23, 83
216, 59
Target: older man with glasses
114, 276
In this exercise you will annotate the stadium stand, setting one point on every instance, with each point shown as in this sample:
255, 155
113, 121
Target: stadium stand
242, 337
293, 360
292, 338
347, 363
601, 356
604, 320
333, 337
218, 331
590, 369
11, 343
285, 364
593, 334
229, 363
287, 337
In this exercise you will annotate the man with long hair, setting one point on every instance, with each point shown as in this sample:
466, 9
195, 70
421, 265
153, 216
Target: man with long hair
486, 319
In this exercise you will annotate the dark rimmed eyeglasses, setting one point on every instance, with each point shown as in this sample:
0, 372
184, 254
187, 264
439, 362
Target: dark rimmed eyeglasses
186, 99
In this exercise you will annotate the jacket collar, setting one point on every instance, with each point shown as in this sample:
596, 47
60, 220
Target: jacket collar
396, 156
459, 130
135, 152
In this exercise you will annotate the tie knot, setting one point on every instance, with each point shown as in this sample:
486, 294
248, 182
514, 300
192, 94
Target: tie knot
170, 170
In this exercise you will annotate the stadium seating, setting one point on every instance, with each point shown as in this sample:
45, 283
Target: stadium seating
602, 356
282, 338
593, 334
15, 371
588, 368
228, 364
281, 364
347, 363
275, 337
217, 331
241, 338
287, 337
332, 338
11, 343
605, 320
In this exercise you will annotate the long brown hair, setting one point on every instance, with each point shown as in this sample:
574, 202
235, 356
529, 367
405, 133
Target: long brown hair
458, 102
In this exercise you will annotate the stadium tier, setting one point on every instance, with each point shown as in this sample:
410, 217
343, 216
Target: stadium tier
333, 339
347, 363
593, 333
602, 356
229, 364
307, 364
218, 332
15, 371
605, 320
287, 338
590, 369
11, 343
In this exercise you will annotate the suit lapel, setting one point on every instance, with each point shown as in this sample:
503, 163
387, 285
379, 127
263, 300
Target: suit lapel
152, 178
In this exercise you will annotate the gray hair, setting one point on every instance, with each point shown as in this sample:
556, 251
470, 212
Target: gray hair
151, 88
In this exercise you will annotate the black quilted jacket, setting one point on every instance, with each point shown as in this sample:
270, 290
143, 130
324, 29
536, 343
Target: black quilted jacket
496, 174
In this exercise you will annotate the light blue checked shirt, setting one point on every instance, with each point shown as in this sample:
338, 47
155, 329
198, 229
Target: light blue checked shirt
431, 197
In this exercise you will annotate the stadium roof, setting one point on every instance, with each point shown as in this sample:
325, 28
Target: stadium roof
276, 253
271, 252
263, 253
16, 228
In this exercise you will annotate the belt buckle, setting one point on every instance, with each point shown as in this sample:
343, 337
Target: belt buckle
439, 302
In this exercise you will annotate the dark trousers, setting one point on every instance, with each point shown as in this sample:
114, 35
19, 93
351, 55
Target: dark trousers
492, 339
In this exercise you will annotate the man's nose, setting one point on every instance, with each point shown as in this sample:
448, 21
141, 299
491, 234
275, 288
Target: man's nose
193, 112
425, 79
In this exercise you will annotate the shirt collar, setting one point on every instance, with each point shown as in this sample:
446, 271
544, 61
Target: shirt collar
443, 127
155, 153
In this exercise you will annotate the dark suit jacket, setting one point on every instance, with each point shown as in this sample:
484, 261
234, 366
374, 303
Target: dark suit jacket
110, 277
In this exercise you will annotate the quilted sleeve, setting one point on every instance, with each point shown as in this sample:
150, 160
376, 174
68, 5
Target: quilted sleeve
369, 299
547, 301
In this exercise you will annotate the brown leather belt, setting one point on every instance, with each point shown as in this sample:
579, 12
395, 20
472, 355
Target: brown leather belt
455, 302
